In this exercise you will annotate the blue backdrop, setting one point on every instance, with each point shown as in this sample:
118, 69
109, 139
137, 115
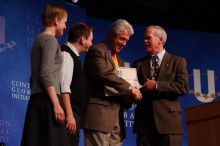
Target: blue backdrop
20, 22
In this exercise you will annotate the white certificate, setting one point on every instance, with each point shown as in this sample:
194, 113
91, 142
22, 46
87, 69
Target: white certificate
129, 74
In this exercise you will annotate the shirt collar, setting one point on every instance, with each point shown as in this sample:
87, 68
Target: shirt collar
161, 54
72, 48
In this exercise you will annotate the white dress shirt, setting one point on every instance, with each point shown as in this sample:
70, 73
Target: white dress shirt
67, 69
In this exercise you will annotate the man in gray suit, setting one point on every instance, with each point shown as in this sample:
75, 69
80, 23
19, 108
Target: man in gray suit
103, 124
157, 119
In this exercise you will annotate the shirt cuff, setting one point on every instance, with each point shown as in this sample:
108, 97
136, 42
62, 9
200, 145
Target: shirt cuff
65, 89
156, 87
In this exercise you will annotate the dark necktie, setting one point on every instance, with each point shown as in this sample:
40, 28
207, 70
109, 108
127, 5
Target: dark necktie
154, 67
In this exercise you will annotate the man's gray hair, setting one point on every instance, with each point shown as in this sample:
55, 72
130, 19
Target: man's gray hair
159, 32
121, 25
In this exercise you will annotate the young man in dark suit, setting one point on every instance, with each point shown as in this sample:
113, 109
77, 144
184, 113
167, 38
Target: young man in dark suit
164, 77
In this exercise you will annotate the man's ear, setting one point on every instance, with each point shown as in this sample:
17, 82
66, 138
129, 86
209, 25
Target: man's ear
83, 39
161, 40
56, 20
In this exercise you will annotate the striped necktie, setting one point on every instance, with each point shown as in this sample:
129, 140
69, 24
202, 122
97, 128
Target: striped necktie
155, 67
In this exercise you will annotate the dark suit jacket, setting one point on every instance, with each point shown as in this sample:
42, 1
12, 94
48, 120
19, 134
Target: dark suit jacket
100, 71
161, 108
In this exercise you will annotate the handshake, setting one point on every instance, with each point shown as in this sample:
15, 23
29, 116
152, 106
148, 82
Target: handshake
135, 93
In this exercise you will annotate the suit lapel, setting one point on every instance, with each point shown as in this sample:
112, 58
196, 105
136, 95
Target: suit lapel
120, 61
164, 65
146, 68
110, 58
108, 53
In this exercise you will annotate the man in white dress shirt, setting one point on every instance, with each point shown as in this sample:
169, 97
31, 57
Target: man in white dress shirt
73, 84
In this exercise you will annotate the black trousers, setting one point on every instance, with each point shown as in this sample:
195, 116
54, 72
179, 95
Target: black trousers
74, 139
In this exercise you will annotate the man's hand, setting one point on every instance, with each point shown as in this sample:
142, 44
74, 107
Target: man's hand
70, 124
150, 84
135, 93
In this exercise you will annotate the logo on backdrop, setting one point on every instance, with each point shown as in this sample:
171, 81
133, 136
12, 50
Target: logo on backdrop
129, 116
204, 97
33, 27
4, 46
4, 130
20, 90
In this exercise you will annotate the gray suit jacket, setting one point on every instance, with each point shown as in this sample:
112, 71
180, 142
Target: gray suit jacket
102, 110
161, 107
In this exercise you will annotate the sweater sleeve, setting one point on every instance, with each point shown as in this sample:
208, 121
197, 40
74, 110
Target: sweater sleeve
49, 47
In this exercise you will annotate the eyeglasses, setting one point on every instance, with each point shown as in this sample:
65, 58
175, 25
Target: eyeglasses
122, 39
